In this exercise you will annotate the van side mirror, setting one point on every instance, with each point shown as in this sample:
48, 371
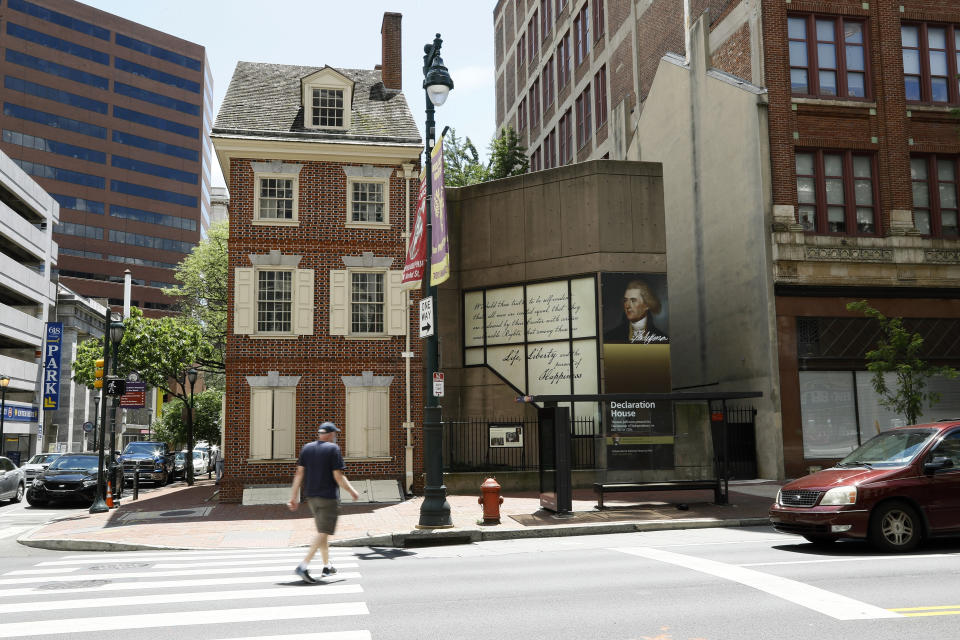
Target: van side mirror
939, 463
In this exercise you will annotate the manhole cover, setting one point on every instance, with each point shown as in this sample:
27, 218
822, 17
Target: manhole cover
119, 565
79, 584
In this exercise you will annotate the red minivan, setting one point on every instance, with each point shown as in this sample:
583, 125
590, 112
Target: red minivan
896, 489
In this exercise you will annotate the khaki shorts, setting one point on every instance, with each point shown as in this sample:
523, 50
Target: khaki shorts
325, 511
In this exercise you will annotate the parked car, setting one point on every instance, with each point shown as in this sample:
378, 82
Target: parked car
896, 489
38, 463
72, 477
201, 461
178, 466
13, 481
151, 461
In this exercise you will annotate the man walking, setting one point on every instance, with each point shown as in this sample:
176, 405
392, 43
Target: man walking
320, 472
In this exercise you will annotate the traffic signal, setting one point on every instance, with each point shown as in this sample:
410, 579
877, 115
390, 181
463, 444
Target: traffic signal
98, 372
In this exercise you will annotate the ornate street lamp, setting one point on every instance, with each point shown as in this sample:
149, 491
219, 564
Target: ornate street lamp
188, 459
4, 382
435, 510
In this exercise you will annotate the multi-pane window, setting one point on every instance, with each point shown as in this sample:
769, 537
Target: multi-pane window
598, 19
327, 108
534, 96
931, 62
583, 118
550, 150
536, 160
828, 56
548, 71
533, 39
581, 35
522, 115
276, 199
563, 61
546, 17
565, 143
521, 51
600, 94
836, 192
560, 5
367, 202
366, 302
274, 301
935, 181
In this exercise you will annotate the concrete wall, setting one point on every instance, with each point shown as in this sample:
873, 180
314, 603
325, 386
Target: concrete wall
579, 219
709, 130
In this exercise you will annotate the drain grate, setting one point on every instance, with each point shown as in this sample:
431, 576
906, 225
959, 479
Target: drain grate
79, 584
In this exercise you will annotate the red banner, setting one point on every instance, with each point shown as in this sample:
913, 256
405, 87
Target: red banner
417, 249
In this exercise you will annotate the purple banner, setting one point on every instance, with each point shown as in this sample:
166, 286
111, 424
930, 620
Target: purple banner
440, 259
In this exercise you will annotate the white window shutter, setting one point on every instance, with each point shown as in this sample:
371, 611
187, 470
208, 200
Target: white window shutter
356, 422
303, 302
284, 422
261, 422
244, 306
378, 422
396, 304
339, 303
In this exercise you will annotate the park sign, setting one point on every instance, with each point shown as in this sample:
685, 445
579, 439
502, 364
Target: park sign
51, 366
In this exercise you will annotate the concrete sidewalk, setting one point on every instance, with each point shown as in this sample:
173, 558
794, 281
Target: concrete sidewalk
181, 517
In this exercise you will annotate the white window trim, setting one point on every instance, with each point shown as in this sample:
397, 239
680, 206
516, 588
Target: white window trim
326, 78
273, 383
283, 171
246, 298
362, 385
368, 173
395, 310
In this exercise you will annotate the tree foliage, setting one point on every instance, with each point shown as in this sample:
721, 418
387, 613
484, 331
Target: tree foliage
202, 296
898, 353
461, 162
507, 156
171, 427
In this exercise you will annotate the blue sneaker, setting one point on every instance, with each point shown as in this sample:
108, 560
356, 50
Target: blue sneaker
328, 570
305, 575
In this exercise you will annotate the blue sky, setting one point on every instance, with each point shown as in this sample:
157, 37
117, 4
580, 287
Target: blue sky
340, 34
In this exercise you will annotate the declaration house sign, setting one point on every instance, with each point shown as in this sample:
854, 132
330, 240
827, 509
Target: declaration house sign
540, 338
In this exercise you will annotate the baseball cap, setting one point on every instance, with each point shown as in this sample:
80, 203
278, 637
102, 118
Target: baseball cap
328, 427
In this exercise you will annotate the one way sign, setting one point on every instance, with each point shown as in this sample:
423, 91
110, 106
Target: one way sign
426, 317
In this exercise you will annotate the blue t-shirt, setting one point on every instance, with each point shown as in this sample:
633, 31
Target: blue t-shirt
319, 460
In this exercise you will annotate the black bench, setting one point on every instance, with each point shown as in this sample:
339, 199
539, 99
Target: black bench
601, 488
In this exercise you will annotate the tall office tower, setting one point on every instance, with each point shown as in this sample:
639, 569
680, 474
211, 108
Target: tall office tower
112, 118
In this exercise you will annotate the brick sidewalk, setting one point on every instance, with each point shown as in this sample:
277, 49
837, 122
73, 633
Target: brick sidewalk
191, 517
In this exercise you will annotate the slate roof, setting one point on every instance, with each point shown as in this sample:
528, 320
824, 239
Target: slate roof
263, 100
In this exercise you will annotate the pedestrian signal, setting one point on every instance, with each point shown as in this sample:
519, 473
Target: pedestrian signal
98, 373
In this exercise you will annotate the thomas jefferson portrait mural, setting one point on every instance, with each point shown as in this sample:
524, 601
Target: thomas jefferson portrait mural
636, 359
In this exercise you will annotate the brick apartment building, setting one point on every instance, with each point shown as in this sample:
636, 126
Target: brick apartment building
810, 159
321, 165
112, 118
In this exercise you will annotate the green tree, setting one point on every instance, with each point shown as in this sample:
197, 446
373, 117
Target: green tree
202, 295
507, 156
461, 162
898, 353
172, 425
161, 350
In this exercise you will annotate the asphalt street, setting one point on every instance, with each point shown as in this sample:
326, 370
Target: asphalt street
700, 584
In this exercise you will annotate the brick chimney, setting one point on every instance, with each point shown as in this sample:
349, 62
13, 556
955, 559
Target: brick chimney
391, 66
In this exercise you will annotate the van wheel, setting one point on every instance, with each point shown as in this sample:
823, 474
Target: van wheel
895, 527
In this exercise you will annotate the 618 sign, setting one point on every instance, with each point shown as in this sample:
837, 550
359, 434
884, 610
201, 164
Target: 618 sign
116, 387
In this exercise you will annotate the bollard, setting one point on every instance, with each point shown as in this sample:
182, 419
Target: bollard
491, 501
136, 485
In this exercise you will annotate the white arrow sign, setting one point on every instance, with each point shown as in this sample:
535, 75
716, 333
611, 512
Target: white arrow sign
426, 317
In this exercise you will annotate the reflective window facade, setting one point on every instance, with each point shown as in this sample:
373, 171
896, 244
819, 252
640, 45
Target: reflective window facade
63, 175
158, 52
57, 95
152, 242
63, 71
59, 44
143, 191
58, 18
155, 145
79, 204
129, 213
155, 122
122, 162
156, 98
52, 146
157, 75
53, 120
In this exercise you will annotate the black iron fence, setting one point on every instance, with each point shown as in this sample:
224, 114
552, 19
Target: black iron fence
511, 445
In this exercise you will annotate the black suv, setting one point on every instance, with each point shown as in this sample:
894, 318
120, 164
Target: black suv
72, 478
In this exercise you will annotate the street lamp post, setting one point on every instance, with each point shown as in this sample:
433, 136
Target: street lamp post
114, 334
435, 510
4, 382
188, 459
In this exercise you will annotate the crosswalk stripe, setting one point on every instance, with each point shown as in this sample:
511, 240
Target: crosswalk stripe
147, 574
326, 635
171, 598
12, 531
141, 585
160, 620
37, 572
293, 553
206, 552
185, 565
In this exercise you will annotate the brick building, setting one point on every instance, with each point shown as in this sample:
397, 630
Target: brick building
112, 118
320, 164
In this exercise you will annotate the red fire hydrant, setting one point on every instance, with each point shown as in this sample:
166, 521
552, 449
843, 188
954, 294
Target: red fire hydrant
491, 501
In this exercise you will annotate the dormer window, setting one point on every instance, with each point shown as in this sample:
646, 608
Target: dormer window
327, 108
327, 96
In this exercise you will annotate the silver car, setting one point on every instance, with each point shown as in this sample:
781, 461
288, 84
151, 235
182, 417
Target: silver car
35, 465
13, 481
